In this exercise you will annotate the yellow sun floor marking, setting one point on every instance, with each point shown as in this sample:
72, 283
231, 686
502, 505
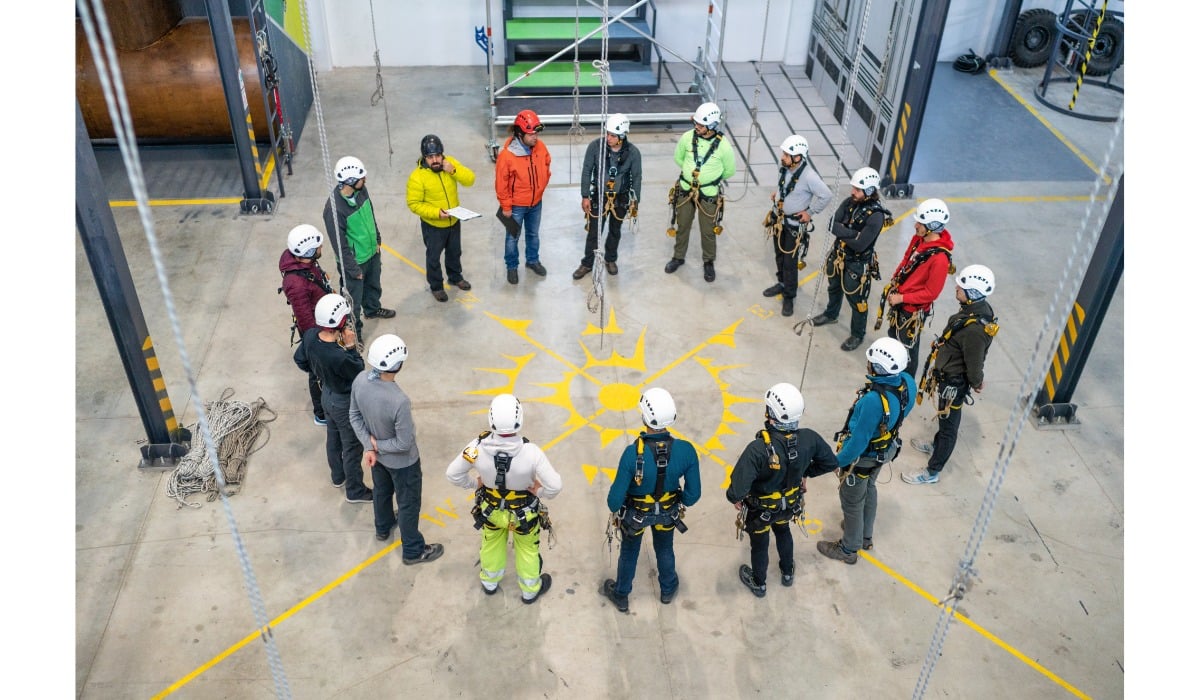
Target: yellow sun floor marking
723, 337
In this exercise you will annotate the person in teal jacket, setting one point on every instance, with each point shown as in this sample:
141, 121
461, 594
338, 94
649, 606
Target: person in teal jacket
432, 190
646, 494
705, 159
869, 440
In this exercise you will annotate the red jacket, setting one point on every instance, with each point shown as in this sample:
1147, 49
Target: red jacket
304, 284
521, 176
924, 284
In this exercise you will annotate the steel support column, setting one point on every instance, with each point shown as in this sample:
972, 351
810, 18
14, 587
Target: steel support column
98, 231
931, 23
1052, 405
255, 200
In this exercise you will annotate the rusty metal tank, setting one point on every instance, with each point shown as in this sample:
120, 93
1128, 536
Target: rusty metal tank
172, 84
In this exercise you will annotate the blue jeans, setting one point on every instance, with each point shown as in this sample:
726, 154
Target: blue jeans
406, 485
531, 219
664, 551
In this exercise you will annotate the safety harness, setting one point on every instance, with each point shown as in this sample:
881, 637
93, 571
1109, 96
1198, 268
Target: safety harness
693, 195
658, 509
323, 283
839, 253
886, 443
609, 207
526, 508
930, 378
915, 323
761, 511
776, 221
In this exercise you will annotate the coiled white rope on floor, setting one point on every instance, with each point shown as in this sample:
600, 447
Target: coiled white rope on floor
236, 428
99, 36
1074, 269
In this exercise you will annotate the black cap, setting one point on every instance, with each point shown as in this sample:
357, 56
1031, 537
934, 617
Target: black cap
431, 145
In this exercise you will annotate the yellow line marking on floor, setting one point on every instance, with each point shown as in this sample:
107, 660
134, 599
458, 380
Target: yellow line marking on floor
1057, 134
175, 202
258, 633
973, 625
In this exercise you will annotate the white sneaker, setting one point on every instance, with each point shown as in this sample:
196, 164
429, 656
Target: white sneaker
921, 446
922, 477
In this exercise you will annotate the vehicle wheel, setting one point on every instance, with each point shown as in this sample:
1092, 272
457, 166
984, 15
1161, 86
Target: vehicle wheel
1033, 38
1107, 51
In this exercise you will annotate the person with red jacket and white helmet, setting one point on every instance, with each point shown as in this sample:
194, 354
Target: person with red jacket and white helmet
304, 283
919, 278
522, 173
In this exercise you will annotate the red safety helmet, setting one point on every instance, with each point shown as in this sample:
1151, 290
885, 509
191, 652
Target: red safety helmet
527, 121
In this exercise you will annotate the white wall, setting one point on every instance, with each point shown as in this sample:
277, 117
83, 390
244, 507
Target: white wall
442, 32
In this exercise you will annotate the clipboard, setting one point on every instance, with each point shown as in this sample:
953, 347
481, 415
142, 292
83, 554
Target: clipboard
462, 213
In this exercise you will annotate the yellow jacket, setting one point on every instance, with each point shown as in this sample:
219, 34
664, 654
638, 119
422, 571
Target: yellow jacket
429, 192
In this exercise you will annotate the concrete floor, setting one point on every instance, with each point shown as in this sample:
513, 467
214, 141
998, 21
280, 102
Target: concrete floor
161, 604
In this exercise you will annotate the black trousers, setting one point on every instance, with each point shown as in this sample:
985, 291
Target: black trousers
786, 272
612, 237
760, 544
438, 241
947, 433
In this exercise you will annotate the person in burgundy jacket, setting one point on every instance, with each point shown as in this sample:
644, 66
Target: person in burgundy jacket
304, 283
920, 277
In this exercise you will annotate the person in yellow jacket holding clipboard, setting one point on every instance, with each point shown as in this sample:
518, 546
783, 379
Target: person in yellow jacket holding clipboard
432, 191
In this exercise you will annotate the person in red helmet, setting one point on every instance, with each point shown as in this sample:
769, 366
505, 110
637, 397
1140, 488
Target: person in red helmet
522, 173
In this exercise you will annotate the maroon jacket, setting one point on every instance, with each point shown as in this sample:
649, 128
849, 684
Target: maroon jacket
925, 283
304, 283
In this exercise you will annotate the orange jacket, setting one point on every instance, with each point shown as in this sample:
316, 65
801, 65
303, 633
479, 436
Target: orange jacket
521, 175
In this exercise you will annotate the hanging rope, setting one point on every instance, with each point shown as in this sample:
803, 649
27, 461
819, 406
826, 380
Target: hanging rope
108, 70
1056, 317
378, 96
236, 429
343, 285
595, 300
755, 131
804, 325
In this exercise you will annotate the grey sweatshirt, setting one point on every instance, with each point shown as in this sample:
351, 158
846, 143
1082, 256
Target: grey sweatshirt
382, 410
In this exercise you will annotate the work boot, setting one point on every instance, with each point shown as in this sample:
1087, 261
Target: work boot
611, 267
773, 290
546, 580
580, 272
537, 268
787, 306
673, 265
440, 295
823, 320
610, 591
851, 343
463, 285
512, 275
834, 550
710, 273
746, 574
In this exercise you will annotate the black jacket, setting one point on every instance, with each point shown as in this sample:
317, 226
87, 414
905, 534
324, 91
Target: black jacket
628, 162
753, 475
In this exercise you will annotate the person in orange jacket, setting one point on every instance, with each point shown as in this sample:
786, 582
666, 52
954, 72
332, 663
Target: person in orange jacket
522, 173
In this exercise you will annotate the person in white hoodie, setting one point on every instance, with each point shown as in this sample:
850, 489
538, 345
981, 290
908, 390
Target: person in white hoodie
512, 476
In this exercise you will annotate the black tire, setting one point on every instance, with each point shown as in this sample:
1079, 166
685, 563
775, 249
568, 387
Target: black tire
1033, 38
1108, 43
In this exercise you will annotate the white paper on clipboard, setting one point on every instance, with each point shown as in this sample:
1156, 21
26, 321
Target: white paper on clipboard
463, 213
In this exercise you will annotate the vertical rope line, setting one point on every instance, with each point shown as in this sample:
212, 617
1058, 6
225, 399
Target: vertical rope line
1075, 268
98, 33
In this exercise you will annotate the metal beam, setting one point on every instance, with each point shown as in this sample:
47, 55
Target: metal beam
98, 231
931, 23
1052, 406
255, 200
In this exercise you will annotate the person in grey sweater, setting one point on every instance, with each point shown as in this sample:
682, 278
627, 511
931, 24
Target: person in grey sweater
800, 196
381, 414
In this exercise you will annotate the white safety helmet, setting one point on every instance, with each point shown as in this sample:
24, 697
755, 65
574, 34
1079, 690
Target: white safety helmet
618, 125
658, 408
865, 179
795, 145
331, 311
784, 402
977, 281
708, 115
304, 240
506, 415
387, 353
349, 170
933, 214
887, 356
